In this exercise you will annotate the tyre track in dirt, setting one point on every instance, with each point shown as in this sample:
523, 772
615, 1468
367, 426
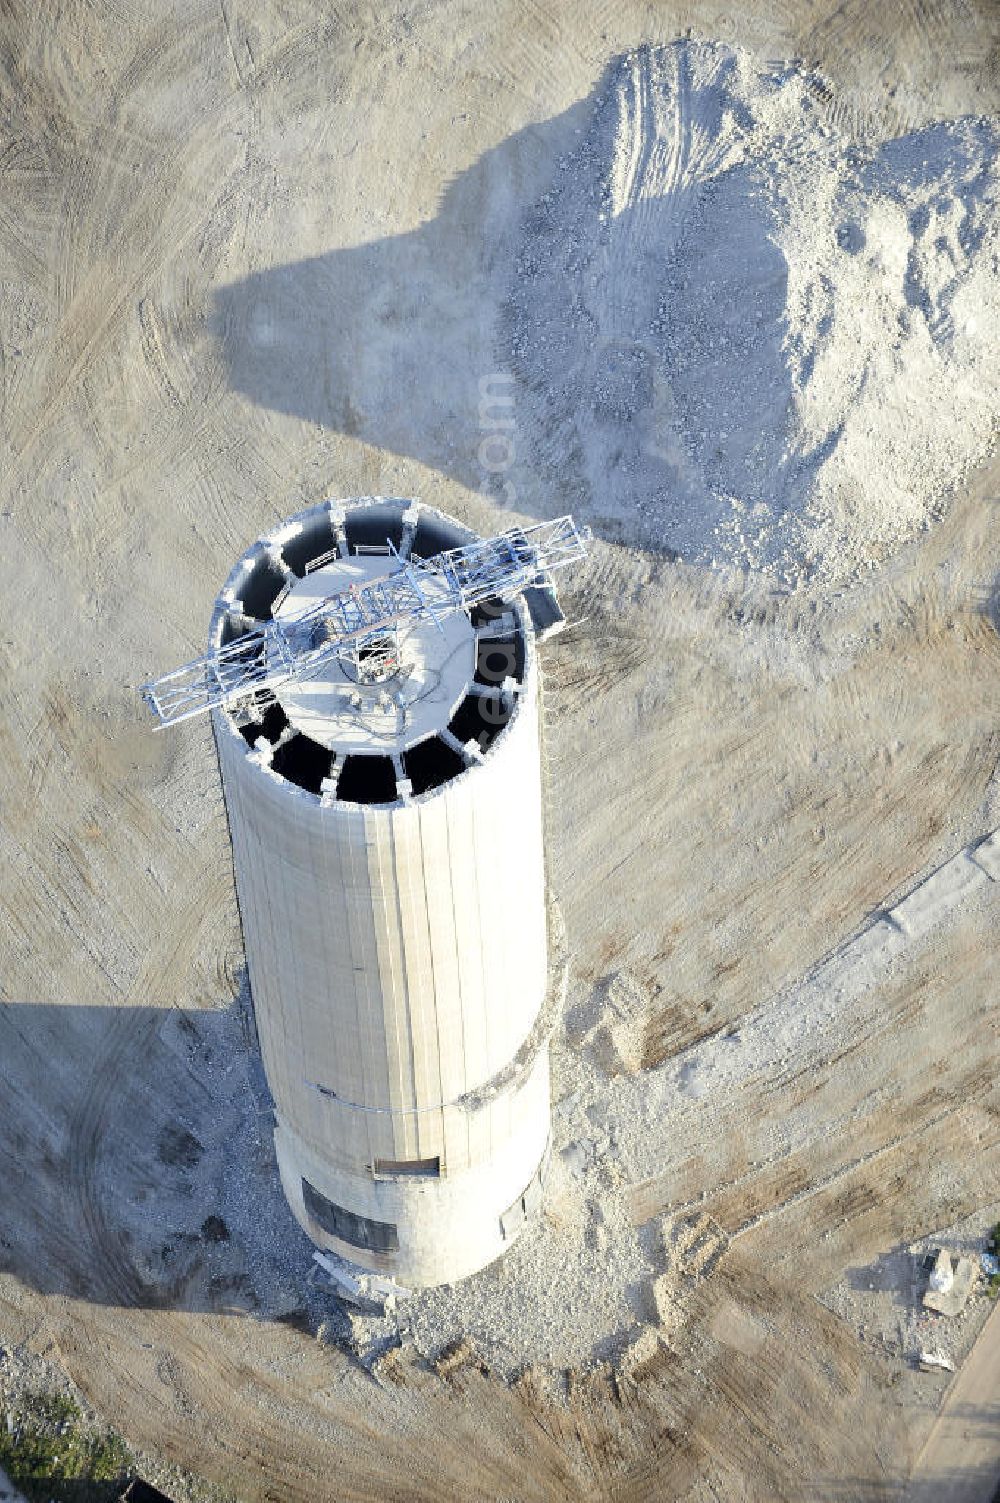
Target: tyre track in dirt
94, 292
30, 179
287, 1420
85, 819
646, 195
187, 367
861, 1118
936, 37
547, 47
827, 778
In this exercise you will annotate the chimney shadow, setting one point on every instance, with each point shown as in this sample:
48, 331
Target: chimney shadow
137, 1163
564, 334
389, 341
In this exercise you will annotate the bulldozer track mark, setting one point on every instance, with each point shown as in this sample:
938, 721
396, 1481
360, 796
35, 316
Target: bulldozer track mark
91, 308
152, 349
239, 45
851, 1201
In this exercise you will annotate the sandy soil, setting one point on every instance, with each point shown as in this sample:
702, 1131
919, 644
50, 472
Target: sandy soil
256, 255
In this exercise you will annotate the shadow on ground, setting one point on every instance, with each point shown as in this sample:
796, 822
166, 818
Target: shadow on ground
975, 1483
622, 349
137, 1164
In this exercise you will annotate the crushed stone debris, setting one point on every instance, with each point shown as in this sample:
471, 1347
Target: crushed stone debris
748, 339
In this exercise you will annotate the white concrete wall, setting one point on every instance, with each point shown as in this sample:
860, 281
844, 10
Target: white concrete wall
398, 958
447, 1228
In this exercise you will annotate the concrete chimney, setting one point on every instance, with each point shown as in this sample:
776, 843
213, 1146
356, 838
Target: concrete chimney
386, 820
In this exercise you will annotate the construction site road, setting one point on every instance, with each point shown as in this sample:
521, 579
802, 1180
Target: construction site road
960, 1462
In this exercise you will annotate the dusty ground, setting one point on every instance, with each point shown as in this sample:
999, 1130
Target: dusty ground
738, 778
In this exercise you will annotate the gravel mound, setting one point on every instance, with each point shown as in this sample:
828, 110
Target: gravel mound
745, 339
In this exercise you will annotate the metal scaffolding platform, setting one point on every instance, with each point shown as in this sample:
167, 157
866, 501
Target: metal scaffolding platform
254, 664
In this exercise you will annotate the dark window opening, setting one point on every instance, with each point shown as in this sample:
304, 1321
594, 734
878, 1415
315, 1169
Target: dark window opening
270, 723
433, 536
431, 763
431, 1168
524, 1206
546, 614
373, 527
315, 539
359, 1231
481, 718
367, 780
262, 586
498, 658
302, 761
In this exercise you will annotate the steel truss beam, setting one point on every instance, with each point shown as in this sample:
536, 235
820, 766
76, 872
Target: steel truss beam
417, 590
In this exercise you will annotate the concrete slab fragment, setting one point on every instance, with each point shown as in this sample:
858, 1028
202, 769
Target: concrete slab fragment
952, 1301
929, 1361
935, 897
